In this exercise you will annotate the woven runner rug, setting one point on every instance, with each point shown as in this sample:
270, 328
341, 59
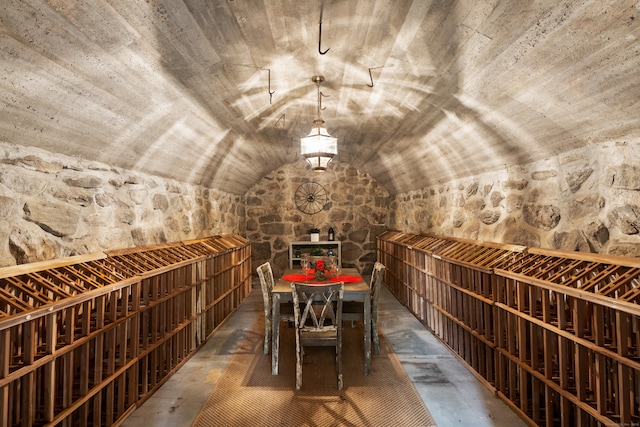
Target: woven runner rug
248, 395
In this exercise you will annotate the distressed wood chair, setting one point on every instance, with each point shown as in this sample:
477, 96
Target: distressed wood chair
265, 273
354, 310
318, 321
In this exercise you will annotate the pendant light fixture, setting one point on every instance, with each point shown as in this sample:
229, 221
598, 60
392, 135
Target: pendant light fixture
319, 148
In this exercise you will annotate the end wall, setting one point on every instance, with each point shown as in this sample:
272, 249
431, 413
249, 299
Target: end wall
357, 210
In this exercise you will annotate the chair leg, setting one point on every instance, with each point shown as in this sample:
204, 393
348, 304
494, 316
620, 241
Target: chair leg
299, 355
376, 338
267, 334
339, 363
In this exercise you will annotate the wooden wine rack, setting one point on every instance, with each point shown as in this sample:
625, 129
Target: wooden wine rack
85, 340
554, 334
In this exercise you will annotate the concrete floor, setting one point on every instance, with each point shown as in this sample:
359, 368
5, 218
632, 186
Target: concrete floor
452, 394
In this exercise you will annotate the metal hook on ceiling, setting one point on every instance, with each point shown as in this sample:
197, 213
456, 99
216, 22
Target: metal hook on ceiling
260, 68
371, 76
270, 93
321, 95
320, 32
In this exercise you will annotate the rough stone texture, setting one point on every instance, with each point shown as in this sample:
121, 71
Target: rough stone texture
53, 206
357, 210
577, 177
626, 218
585, 200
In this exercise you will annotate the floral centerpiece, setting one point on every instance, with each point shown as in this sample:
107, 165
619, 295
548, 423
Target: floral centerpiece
319, 267
322, 267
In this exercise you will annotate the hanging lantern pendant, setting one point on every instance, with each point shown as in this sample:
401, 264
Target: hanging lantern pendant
319, 148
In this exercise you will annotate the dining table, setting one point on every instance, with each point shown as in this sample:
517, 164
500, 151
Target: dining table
355, 289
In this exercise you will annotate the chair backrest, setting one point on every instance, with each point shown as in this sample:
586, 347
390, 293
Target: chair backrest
266, 282
376, 280
313, 305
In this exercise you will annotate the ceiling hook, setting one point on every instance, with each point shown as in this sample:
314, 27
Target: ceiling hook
269, 90
320, 32
321, 95
371, 76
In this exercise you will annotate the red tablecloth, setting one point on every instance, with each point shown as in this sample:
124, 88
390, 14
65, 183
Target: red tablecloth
311, 279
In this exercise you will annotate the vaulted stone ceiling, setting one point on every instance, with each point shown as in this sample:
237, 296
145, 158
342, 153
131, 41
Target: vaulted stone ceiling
180, 88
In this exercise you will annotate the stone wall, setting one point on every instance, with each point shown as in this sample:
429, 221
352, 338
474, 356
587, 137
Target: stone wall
53, 206
357, 210
585, 200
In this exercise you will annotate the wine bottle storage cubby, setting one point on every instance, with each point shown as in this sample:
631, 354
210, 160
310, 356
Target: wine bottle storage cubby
555, 334
85, 340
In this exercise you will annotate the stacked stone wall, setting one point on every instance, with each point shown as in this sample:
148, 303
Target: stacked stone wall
357, 209
53, 206
585, 200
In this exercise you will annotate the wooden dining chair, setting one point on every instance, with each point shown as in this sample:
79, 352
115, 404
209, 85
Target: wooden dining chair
318, 321
354, 310
265, 273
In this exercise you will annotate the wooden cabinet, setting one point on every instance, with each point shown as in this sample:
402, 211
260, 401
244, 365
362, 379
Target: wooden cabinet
297, 249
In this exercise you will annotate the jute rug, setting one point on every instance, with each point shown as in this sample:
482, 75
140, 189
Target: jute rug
248, 395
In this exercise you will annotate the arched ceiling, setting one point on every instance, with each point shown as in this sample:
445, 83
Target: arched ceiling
180, 88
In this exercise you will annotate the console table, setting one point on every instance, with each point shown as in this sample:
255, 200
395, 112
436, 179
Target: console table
306, 246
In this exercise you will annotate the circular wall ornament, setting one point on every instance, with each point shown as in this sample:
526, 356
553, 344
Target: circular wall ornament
311, 197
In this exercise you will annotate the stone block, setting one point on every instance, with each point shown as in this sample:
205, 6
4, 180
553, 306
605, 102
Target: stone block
84, 181
27, 246
519, 236
475, 204
626, 219
544, 217
254, 201
261, 250
489, 217
138, 195
359, 236
585, 208
628, 249
572, 240
273, 229
28, 184
56, 218
496, 198
626, 177
575, 179
78, 196
457, 219
199, 220
160, 202
514, 203
472, 190
35, 163
7, 205
104, 199
264, 219
515, 185
597, 234
543, 175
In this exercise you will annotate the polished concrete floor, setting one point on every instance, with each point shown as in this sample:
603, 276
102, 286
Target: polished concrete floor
453, 395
